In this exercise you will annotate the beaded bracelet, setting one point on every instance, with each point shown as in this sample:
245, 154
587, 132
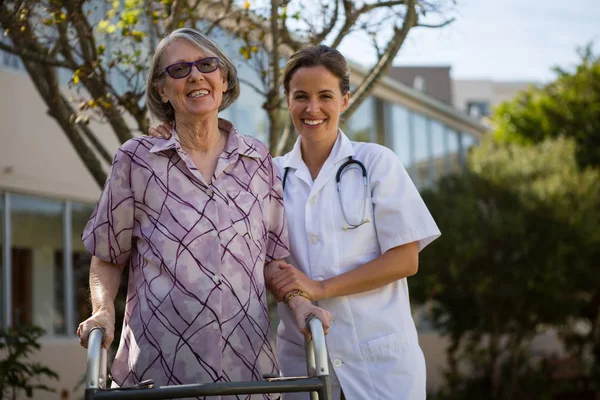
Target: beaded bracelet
293, 293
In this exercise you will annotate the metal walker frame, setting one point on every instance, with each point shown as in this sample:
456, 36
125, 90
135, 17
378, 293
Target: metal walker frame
316, 382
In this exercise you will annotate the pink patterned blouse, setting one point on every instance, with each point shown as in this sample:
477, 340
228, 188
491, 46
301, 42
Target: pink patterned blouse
196, 301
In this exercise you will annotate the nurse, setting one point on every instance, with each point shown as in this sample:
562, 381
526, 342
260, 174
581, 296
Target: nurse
352, 250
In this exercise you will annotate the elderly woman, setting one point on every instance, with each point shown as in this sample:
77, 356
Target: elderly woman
196, 217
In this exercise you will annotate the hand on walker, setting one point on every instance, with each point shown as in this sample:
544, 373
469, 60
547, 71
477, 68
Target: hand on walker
289, 278
100, 319
303, 309
162, 131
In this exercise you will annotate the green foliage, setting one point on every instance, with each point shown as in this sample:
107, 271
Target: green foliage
16, 371
516, 255
567, 107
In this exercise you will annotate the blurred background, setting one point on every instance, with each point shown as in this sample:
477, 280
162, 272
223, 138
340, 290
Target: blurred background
493, 108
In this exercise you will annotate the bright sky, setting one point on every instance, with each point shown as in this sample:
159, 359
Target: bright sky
501, 39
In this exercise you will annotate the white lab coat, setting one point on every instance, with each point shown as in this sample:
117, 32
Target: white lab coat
372, 344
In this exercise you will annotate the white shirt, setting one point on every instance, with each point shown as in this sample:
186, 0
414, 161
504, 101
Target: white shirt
372, 344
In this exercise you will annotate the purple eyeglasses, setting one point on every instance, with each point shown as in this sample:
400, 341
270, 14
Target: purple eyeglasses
182, 69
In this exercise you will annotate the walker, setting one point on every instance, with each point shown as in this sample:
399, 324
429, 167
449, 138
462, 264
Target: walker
317, 381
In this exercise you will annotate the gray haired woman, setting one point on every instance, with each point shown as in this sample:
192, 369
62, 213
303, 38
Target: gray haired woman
199, 219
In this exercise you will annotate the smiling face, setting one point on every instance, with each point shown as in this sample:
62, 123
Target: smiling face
315, 102
196, 94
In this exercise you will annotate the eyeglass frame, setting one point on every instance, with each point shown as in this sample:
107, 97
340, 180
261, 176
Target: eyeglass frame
191, 65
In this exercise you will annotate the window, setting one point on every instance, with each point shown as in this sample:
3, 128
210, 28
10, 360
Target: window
478, 109
36, 245
80, 214
466, 142
2, 266
419, 83
422, 172
438, 149
398, 133
453, 148
361, 127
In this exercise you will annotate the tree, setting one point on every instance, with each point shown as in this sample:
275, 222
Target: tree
518, 233
93, 41
16, 372
568, 106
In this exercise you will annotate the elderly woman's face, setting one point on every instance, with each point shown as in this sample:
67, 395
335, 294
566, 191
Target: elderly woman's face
196, 94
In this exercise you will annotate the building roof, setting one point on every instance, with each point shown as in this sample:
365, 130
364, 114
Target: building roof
435, 81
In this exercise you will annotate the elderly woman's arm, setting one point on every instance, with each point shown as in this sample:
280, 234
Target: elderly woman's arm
105, 278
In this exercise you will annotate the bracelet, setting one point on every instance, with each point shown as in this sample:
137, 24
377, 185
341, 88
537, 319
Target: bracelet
294, 293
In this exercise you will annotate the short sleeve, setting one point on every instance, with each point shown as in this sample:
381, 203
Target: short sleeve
277, 241
401, 216
108, 233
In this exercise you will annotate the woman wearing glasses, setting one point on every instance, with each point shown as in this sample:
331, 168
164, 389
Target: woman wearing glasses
356, 226
196, 217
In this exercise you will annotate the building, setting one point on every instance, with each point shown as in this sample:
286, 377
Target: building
47, 196
433, 81
478, 98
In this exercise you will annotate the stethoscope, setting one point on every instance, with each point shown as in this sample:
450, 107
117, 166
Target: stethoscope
338, 181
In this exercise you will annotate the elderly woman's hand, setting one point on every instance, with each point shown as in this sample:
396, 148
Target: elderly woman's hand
104, 319
303, 309
162, 131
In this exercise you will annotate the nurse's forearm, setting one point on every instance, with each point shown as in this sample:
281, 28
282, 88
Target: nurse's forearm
396, 263
105, 279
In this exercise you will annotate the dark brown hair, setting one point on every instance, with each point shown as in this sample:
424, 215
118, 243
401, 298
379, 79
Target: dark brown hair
315, 56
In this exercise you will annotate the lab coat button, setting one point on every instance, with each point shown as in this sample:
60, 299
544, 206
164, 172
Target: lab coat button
216, 279
312, 200
209, 192
214, 234
337, 363
314, 239
319, 278
215, 325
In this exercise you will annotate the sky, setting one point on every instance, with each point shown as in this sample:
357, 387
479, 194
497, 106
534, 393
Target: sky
499, 39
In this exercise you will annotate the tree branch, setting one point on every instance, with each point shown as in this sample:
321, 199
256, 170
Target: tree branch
351, 18
93, 75
318, 38
440, 25
370, 7
253, 86
36, 57
385, 62
173, 21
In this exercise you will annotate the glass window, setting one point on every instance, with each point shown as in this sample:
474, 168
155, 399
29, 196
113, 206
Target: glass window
361, 125
438, 149
80, 214
2, 266
453, 148
37, 226
422, 173
398, 133
478, 109
467, 141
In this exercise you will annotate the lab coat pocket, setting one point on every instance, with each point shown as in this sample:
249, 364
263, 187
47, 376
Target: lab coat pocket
354, 241
385, 348
246, 214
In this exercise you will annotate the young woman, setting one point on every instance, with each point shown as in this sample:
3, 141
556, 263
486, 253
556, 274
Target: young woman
356, 226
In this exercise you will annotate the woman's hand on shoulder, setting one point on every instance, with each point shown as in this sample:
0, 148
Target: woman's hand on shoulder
289, 278
162, 131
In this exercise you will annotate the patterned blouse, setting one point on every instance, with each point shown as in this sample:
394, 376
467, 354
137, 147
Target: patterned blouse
196, 307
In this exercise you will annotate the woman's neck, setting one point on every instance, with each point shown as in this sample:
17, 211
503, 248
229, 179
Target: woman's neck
198, 134
315, 154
